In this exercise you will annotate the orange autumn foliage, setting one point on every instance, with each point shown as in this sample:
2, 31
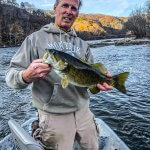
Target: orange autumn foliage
98, 23
82, 25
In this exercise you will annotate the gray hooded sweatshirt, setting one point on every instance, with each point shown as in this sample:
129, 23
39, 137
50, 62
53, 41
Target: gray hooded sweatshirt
47, 94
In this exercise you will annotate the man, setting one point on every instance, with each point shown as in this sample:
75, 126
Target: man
64, 114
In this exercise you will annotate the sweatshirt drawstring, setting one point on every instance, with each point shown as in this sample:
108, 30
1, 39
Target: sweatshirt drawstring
71, 41
60, 36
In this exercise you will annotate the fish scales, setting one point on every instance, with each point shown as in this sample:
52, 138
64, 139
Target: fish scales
83, 77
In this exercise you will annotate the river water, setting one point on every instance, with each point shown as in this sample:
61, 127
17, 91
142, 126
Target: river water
128, 115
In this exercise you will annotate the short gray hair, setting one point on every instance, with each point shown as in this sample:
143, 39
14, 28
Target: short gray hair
57, 2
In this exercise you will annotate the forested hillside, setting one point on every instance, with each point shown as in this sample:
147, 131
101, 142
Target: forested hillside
99, 26
16, 23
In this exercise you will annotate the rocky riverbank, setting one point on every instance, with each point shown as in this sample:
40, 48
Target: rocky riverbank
128, 41
107, 42
119, 42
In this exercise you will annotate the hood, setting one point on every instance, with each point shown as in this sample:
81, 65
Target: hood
51, 28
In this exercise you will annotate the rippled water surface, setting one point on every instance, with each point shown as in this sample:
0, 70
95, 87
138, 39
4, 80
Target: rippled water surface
128, 115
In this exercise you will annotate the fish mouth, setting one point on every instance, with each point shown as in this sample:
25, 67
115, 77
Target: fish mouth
49, 56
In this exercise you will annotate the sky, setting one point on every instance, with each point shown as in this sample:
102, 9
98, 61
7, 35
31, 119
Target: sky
106, 7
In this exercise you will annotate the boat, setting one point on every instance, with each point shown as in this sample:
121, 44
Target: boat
20, 137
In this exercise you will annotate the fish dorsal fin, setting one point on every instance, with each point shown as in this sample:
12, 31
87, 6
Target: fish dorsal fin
80, 64
73, 61
100, 67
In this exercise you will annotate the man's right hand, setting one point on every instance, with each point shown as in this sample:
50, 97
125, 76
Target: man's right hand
36, 71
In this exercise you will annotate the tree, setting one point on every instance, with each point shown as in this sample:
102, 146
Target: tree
16, 32
13, 1
147, 6
0, 34
137, 23
9, 1
40, 12
28, 5
22, 5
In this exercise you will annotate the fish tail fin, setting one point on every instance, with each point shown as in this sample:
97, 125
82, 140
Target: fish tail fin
119, 81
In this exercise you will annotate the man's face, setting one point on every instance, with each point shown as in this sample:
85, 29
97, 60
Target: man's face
66, 12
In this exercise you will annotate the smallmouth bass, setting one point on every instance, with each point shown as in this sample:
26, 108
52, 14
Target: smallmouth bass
82, 74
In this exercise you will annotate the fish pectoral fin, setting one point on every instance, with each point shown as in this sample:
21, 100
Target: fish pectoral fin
64, 83
100, 67
61, 65
94, 89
